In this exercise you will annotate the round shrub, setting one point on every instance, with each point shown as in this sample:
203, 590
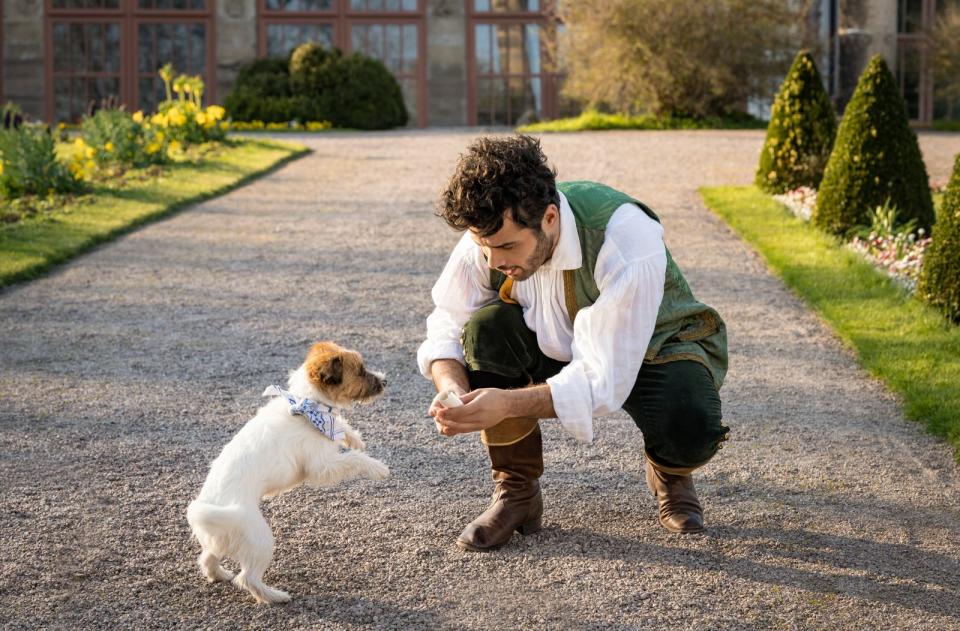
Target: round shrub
801, 131
347, 90
262, 92
939, 282
875, 159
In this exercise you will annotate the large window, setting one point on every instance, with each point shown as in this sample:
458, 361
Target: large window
914, 21
392, 31
113, 49
509, 45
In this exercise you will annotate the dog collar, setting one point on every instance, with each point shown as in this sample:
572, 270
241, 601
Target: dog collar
322, 416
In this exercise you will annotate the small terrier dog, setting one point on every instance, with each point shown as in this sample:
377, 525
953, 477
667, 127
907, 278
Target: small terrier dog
294, 439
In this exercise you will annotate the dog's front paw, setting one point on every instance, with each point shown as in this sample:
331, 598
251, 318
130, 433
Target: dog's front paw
379, 471
352, 440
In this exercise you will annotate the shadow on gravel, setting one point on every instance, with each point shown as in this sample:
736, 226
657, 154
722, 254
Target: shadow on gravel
871, 571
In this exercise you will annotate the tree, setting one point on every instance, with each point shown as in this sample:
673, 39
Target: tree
939, 282
801, 131
875, 159
676, 57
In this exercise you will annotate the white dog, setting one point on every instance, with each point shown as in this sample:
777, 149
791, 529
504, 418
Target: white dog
293, 439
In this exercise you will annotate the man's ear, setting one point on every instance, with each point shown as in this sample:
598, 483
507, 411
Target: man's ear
551, 215
331, 373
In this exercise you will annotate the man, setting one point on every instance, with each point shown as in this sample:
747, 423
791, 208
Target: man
561, 301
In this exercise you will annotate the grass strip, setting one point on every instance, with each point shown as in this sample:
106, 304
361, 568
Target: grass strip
31, 247
906, 344
591, 120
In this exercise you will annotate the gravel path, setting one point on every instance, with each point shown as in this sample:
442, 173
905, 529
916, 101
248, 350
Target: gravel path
124, 372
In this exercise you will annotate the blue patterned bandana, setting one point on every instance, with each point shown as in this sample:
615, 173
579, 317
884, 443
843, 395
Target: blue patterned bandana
323, 417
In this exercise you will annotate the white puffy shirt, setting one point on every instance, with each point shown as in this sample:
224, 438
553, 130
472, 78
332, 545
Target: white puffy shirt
604, 349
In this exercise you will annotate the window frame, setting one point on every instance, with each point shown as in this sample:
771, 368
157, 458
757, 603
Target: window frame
130, 16
342, 18
547, 20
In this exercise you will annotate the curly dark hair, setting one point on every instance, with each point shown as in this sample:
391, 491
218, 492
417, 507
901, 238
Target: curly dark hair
496, 175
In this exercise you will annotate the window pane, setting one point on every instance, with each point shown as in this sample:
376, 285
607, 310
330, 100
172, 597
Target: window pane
410, 47
391, 6
525, 101
910, 16
86, 4
531, 45
181, 44
175, 5
300, 5
283, 38
483, 34
507, 6
908, 73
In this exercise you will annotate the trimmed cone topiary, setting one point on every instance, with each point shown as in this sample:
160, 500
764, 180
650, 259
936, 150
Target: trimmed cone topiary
800, 135
875, 158
939, 282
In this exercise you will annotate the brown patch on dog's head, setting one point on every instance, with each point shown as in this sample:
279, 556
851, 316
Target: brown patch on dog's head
340, 374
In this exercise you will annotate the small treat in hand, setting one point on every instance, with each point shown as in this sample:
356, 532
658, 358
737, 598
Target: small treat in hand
449, 399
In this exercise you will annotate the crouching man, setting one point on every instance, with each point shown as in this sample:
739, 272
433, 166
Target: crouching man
561, 301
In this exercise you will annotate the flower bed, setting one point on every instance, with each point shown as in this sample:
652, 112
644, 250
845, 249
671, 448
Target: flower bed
895, 250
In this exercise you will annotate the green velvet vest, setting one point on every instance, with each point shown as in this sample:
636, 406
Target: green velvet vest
685, 329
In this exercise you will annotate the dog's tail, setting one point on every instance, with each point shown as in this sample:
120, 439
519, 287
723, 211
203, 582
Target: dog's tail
211, 519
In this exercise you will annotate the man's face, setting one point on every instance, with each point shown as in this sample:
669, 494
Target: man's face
518, 251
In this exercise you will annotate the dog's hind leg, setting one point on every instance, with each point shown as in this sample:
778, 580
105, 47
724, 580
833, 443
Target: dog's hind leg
210, 566
254, 554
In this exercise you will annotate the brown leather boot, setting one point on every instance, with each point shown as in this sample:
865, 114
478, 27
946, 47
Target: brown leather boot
517, 504
680, 509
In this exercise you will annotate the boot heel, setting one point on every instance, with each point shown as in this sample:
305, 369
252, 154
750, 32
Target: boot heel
532, 526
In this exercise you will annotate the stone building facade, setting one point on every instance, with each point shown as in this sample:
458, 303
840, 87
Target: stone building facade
459, 62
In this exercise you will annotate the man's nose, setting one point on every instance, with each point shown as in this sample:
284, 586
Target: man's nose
494, 261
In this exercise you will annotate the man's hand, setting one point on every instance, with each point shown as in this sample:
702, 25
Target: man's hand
481, 409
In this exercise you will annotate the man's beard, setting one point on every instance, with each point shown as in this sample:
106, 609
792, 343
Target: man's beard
541, 254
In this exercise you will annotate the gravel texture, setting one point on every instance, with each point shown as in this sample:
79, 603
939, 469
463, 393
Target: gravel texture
124, 372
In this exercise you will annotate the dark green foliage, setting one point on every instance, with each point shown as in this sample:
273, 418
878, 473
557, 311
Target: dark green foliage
318, 84
262, 92
875, 158
939, 282
30, 166
347, 90
801, 131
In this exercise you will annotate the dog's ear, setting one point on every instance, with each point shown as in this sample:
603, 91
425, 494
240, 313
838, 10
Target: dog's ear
331, 371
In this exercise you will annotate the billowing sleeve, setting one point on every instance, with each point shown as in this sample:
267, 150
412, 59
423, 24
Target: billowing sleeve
611, 336
463, 287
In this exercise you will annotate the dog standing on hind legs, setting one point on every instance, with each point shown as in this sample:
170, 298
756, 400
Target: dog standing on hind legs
294, 439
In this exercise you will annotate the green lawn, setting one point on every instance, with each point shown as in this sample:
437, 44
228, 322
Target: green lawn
30, 247
592, 120
906, 344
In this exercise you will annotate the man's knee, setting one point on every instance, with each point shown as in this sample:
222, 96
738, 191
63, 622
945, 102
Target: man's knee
683, 424
695, 430
490, 325
494, 340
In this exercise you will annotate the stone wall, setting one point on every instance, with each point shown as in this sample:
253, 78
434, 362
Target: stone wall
23, 55
236, 40
446, 63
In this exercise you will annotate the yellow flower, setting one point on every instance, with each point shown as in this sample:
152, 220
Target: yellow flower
174, 147
89, 152
108, 147
61, 126
152, 148
216, 112
91, 165
160, 136
79, 144
201, 118
1, 168
176, 117
159, 119
138, 117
